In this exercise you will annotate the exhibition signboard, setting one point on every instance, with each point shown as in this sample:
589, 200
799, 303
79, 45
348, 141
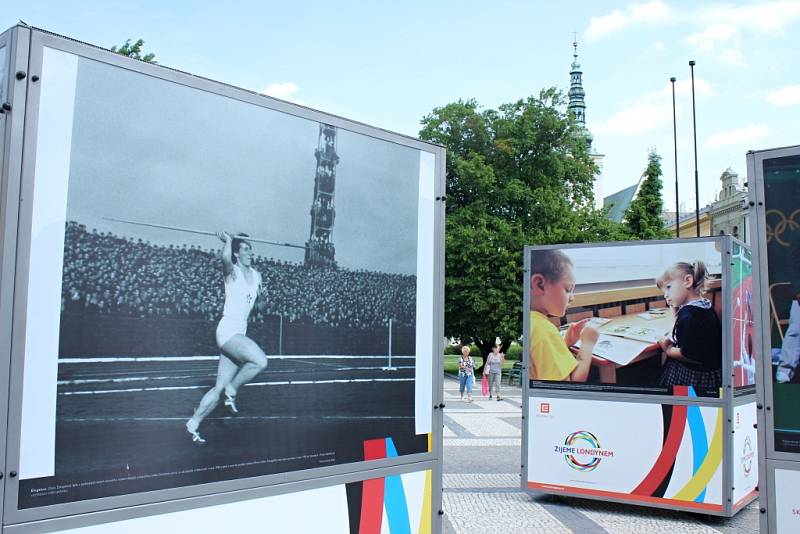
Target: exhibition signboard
774, 179
645, 453
400, 502
745, 349
211, 294
780, 289
605, 318
744, 454
640, 359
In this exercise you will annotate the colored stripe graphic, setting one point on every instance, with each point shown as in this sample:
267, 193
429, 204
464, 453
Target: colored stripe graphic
425, 519
395, 498
699, 443
698, 483
372, 492
699, 440
666, 459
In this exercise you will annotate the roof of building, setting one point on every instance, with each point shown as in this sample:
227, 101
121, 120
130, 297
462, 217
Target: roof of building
618, 202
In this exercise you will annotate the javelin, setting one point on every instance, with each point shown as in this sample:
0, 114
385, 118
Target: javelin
201, 232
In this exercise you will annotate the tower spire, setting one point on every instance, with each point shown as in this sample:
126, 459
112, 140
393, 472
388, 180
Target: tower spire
575, 46
577, 104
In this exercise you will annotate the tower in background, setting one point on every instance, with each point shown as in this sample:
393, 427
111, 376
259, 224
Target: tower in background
319, 248
577, 107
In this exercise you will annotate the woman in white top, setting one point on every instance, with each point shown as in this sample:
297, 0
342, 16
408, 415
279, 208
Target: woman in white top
241, 359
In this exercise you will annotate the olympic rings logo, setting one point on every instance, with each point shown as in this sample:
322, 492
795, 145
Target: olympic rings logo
782, 223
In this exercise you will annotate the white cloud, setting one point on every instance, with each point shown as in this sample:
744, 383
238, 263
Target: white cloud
284, 91
770, 17
787, 96
659, 46
716, 29
712, 37
719, 41
738, 136
723, 26
651, 110
732, 57
649, 13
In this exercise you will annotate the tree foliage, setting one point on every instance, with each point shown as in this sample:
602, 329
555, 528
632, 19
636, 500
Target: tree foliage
134, 51
643, 217
518, 175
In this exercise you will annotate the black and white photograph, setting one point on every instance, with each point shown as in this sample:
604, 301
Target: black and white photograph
238, 292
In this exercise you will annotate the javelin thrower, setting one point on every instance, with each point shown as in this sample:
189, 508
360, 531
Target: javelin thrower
241, 359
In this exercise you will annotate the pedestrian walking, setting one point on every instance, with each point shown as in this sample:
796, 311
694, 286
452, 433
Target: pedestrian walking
493, 370
466, 373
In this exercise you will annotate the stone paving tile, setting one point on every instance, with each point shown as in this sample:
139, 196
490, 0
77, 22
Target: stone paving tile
481, 480
628, 519
461, 405
508, 513
482, 442
483, 497
478, 426
514, 421
467, 461
497, 407
745, 522
459, 430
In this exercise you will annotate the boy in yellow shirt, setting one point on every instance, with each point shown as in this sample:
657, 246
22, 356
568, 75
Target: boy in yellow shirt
552, 287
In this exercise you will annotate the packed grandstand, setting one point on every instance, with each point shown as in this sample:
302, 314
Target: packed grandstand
109, 274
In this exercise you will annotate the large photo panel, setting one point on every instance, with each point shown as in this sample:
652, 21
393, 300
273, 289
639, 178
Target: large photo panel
217, 290
641, 318
745, 359
781, 201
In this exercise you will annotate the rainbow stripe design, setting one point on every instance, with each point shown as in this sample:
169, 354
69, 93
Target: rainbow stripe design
591, 439
706, 458
369, 499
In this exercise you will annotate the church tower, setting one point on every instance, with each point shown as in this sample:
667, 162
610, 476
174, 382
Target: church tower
577, 107
577, 102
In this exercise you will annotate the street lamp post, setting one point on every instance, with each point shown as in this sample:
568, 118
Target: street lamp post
675, 144
696, 179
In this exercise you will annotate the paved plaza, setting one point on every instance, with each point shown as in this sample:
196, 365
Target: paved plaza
482, 492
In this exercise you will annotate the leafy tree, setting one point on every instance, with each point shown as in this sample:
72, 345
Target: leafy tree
134, 51
643, 216
518, 175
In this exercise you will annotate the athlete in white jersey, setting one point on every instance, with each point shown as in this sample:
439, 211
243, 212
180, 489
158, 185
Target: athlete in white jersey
241, 359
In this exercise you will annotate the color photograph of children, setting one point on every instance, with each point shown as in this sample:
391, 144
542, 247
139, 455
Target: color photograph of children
693, 351
633, 317
552, 291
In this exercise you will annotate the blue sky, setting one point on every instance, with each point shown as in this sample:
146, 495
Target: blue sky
389, 64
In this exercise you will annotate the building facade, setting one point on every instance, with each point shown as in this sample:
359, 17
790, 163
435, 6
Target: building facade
729, 211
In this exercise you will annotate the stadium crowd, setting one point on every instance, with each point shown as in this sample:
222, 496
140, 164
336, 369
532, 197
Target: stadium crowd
108, 274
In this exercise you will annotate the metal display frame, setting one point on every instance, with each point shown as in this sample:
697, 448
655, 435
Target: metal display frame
14, 44
769, 459
18, 177
727, 402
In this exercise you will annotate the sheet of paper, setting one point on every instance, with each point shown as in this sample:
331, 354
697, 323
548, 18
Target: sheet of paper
618, 349
639, 333
656, 313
